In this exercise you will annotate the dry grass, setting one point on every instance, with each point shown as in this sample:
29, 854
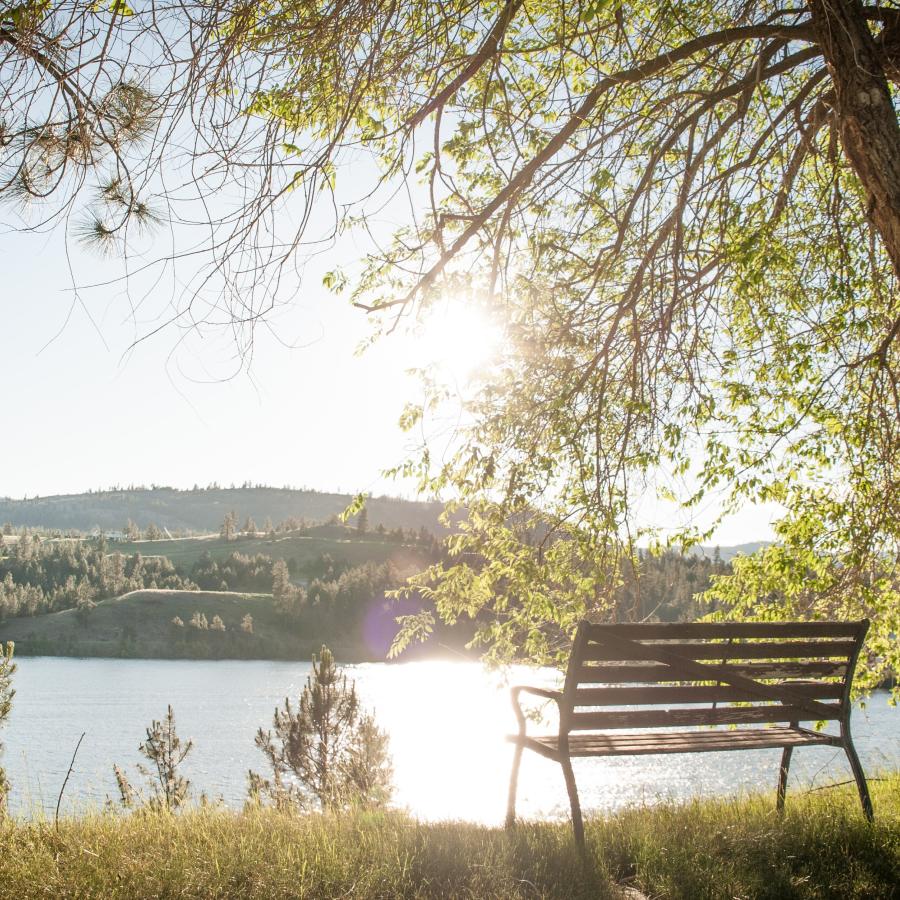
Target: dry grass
821, 848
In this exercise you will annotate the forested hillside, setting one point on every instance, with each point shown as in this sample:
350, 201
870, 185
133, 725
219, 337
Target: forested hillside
203, 509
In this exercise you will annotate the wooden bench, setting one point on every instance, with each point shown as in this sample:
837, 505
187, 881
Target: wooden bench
665, 679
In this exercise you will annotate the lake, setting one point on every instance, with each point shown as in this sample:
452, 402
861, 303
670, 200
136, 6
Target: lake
447, 722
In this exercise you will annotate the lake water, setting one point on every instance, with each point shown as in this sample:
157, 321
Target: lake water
447, 723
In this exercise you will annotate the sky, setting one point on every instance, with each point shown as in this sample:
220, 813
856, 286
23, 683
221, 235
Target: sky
84, 407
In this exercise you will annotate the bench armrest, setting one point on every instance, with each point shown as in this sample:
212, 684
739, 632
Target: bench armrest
556, 696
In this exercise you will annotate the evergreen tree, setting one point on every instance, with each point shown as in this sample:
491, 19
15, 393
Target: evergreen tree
83, 608
132, 532
249, 526
217, 624
283, 592
247, 624
153, 533
229, 526
326, 752
165, 751
362, 521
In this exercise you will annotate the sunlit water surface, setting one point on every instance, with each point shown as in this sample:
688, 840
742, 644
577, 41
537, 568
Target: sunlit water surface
447, 723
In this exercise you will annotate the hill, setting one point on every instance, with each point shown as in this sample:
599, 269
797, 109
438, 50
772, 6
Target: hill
726, 554
203, 509
342, 544
139, 624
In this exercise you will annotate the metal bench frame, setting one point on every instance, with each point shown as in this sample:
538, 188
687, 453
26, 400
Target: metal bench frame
763, 672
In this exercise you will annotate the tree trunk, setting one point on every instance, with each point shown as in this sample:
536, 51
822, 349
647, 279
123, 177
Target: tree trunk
866, 119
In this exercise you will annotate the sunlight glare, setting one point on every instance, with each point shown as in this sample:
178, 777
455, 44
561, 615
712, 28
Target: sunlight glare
459, 341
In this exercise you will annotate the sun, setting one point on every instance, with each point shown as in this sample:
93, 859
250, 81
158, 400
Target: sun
461, 342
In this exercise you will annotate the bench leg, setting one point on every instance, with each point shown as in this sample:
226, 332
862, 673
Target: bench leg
513, 787
577, 823
861, 785
783, 777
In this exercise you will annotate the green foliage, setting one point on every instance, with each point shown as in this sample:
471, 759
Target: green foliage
684, 266
814, 576
327, 752
165, 752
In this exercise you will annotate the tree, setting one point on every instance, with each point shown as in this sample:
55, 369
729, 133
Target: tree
132, 532
362, 521
165, 751
249, 526
685, 218
283, 591
84, 605
229, 526
327, 751
199, 621
153, 533
247, 624
7, 670
217, 624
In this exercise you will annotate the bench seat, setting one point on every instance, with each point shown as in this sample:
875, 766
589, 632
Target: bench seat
651, 742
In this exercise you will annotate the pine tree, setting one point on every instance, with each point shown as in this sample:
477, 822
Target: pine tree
362, 521
326, 752
165, 750
153, 533
247, 624
84, 605
249, 526
217, 624
229, 526
132, 532
283, 593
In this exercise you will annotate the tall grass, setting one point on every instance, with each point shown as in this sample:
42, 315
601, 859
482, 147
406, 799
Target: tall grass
822, 847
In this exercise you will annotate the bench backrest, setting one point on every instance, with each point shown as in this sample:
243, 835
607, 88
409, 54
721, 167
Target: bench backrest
777, 672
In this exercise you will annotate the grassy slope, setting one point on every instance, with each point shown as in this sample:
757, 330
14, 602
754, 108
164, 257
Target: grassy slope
821, 848
139, 624
352, 549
